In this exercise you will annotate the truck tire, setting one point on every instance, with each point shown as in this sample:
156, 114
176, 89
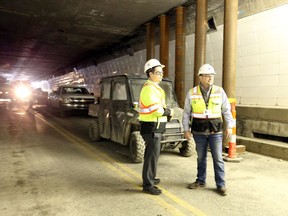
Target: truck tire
188, 148
61, 110
137, 147
62, 113
94, 130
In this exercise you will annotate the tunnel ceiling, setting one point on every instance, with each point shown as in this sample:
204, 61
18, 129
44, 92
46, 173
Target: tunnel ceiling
39, 39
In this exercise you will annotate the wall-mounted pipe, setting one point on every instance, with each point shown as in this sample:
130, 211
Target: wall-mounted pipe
229, 47
150, 41
200, 37
164, 43
229, 67
180, 55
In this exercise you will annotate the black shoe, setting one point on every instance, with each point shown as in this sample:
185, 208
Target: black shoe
156, 181
153, 191
196, 185
222, 191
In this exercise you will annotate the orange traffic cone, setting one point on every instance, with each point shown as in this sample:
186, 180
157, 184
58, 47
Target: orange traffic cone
232, 156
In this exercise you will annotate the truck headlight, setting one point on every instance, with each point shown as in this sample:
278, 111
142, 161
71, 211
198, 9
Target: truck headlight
66, 100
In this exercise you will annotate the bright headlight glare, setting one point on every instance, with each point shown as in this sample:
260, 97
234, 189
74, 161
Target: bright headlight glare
22, 92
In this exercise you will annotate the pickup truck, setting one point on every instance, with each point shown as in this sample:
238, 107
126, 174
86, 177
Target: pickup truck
69, 98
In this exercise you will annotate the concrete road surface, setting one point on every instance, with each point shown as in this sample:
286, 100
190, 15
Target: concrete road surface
49, 167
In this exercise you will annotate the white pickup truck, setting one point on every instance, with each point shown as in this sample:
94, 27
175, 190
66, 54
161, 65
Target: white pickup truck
68, 98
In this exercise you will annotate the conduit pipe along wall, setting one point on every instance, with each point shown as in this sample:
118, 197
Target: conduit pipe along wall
229, 47
229, 63
200, 37
164, 43
150, 41
180, 55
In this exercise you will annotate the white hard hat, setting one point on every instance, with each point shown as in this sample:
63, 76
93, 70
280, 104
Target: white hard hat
152, 63
206, 69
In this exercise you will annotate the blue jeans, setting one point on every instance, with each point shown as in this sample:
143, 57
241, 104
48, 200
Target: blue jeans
215, 143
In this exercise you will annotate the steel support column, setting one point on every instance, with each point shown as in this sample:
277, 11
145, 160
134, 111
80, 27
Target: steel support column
150, 41
200, 37
180, 55
229, 68
164, 43
229, 48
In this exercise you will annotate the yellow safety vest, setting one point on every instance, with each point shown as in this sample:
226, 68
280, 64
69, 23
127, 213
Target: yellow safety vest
200, 109
152, 102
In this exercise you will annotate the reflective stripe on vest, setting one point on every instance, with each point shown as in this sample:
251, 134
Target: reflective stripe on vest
198, 105
149, 109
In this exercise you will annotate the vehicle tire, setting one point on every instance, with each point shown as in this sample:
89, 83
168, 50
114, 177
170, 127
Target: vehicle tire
137, 147
62, 111
94, 130
188, 148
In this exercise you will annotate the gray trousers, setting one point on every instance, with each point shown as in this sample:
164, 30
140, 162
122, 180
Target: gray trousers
152, 153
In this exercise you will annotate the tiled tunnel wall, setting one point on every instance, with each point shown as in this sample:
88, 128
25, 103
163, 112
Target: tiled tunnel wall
262, 66
262, 70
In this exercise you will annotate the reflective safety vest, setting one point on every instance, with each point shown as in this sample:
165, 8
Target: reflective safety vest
211, 110
152, 102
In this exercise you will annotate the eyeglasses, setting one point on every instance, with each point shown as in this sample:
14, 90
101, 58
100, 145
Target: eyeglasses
158, 73
208, 75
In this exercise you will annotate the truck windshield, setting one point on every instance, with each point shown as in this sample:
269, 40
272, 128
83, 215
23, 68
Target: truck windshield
75, 90
137, 84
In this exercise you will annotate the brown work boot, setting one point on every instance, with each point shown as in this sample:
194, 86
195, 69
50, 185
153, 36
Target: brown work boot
222, 190
196, 185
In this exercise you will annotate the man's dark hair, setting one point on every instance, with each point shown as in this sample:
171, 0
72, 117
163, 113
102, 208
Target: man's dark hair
150, 70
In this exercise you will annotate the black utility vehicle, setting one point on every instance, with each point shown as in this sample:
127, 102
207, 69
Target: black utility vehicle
115, 116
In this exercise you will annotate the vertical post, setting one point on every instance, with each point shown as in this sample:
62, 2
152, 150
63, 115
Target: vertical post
229, 66
200, 37
164, 43
150, 41
180, 55
229, 47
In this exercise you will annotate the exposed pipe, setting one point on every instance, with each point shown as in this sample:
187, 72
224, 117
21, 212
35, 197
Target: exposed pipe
229, 67
150, 41
164, 43
200, 37
229, 47
180, 55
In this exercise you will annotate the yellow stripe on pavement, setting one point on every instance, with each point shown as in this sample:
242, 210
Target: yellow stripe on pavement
114, 166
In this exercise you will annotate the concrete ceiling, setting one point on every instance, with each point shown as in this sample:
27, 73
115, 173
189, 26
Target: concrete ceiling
39, 39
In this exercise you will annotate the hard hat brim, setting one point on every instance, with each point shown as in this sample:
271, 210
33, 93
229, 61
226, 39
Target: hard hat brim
206, 74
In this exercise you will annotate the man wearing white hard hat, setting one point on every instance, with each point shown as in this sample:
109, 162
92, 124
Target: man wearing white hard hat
204, 107
153, 117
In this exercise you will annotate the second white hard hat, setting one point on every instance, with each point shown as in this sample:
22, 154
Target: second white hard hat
206, 69
152, 63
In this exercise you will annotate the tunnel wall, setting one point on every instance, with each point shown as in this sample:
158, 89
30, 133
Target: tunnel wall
262, 77
262, 67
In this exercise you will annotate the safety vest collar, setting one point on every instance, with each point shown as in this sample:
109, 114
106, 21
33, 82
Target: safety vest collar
149, 82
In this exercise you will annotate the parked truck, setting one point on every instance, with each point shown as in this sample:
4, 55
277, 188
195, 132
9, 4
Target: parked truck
69, 98
115, 116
